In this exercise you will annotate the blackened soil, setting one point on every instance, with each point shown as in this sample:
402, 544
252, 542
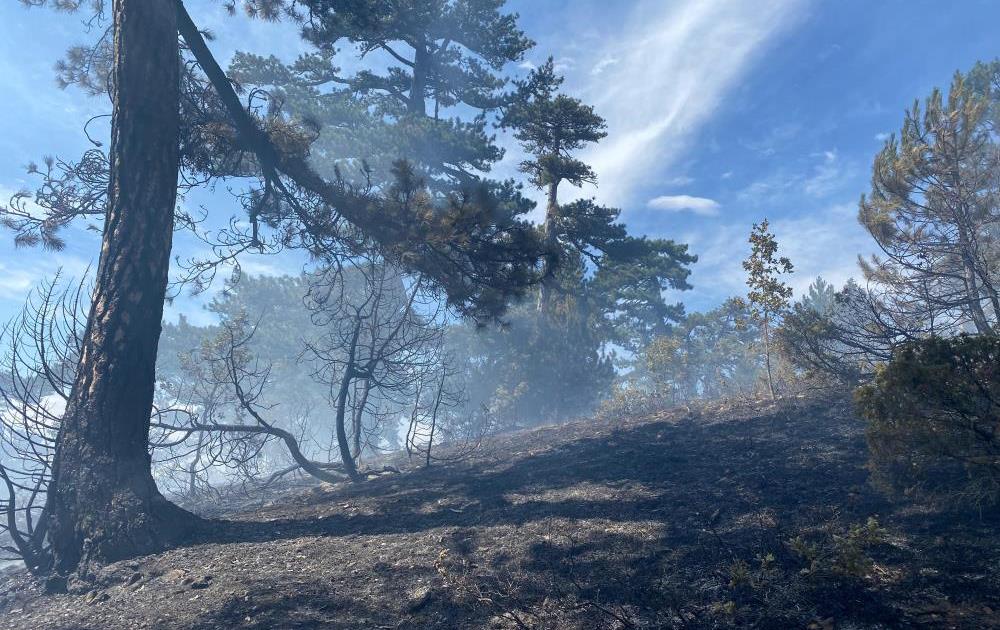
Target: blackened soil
730, 515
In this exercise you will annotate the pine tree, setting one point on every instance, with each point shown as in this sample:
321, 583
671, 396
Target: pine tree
102, 499
932, 212
434, 73
630, 273
768, 295
551, 127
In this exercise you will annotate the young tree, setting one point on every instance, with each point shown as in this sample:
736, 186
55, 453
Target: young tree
768, 295
820, 297
385, 339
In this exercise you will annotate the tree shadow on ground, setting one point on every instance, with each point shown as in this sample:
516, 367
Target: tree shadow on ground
695, 497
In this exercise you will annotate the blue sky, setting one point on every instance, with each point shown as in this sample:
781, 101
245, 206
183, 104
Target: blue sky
720, 112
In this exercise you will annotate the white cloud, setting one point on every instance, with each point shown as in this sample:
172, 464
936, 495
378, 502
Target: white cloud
677, 61
680, 180
685, 203
882, 136
603, 64
564, 64
775, 139
825, 243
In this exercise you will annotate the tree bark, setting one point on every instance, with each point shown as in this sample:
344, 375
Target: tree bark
551, 240
418, 86
350, 372
104, 504
357, 423
767, 357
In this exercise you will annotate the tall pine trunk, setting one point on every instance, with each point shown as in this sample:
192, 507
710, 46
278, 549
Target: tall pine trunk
551, 241
103, 502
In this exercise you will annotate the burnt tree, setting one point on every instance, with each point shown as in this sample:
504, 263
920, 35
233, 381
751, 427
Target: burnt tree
103, 501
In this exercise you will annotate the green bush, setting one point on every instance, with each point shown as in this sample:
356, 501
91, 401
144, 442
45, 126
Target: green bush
934, 413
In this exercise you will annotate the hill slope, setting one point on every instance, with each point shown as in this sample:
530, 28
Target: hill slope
717, 517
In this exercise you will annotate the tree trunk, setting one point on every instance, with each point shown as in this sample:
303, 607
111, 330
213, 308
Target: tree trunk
357, 423
104, 504
969, 271
194, 466
418, 86
343, 441
767, 358
434, 416
350, 372
551, 240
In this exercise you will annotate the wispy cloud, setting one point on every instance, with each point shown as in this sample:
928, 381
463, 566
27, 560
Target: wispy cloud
828, 175
603, 64
676, 63
685, 203
680, 180
824, 243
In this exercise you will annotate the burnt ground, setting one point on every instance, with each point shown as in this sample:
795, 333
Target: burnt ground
753, 515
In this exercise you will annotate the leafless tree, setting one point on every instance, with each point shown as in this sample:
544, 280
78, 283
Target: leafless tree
40, 349
382, 338
218, 418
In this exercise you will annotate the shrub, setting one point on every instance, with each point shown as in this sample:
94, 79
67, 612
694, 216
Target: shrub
840, 554
934, 413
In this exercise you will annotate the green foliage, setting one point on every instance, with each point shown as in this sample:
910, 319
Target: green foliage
934, 419
835, 336
601, 286
820, 297
431, 73
768, 295
842, 554
550, 128
932, 211
536, 368
707, 355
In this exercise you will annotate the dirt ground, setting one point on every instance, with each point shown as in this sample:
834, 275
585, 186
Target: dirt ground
751, 515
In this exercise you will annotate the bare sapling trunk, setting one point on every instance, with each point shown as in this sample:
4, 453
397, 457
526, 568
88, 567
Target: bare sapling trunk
767, 355
350, 372
357, 421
